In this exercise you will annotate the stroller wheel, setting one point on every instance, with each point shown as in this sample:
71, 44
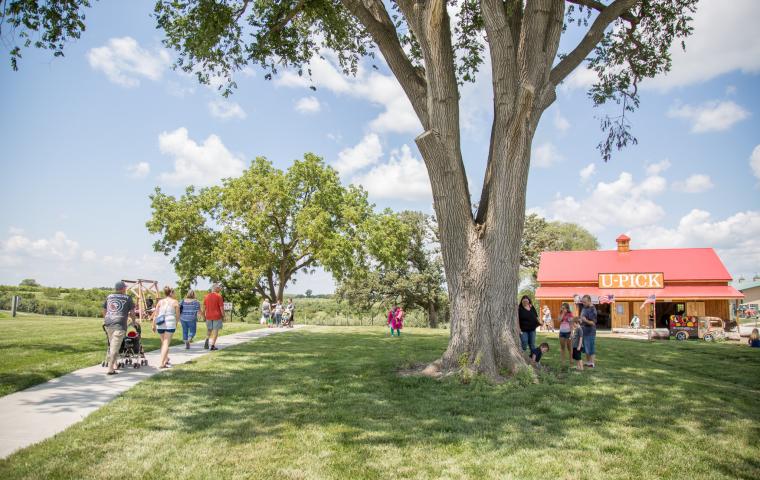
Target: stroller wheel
136, 365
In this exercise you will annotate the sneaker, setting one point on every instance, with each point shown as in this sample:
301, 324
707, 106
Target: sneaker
187, 345
112, 373
205, 345
213, 347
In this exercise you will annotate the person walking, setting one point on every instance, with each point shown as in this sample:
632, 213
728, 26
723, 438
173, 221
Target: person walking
278, 313
588, 323
213, 313
117, 307
528, 319
164, 322
266, 312
565, 330
291, 307
188, 316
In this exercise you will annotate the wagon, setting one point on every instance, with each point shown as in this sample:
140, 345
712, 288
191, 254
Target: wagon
684, 327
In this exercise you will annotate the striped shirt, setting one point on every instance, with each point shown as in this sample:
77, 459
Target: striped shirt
190, 310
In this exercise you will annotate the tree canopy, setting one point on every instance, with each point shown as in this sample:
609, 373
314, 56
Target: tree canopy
407, 271
255, 232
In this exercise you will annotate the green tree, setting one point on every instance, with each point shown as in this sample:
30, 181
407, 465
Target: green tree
622, 41
256, 231
540, 235
406, 271
29, 282
308, 293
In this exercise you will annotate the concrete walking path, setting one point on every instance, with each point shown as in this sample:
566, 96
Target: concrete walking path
39, 412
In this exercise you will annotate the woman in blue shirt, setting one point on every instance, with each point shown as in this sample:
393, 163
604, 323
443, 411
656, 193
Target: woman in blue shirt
189, 316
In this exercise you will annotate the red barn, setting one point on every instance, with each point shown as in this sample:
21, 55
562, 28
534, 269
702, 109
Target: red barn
683, 280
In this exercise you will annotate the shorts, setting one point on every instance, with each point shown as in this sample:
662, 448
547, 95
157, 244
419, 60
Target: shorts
576, 354
166, 330
589, 344
565, 334
213, 324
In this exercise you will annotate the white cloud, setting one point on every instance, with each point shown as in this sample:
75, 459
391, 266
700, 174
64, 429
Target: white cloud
308, 105
124, 62
139, 170
696, 183
581, 78
725, 39
622, 202
560, 123
225, 109
89, 256
587, 171
201, 165
658, 168
731, 90
404, 177
711, 116
545, 155
382, 90
19, 246
754, 161
736, 238
367, 152
15, 230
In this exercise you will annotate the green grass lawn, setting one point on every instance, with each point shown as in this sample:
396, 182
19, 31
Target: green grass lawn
37, 348
327, 403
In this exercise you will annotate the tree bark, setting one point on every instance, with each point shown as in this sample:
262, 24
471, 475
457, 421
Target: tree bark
432, 316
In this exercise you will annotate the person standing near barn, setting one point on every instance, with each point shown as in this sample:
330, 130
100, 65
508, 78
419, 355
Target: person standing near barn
528, 319
588, 322
213, 312
116, 309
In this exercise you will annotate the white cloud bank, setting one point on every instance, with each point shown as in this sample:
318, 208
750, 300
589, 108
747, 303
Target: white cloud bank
226, 110
754, 161
621, 203
725, 39
367, 152
139, 170
404, 177
696, 183
307, 105
197, 164
735, 238
710, 116
125, 63
381, 90
545, 155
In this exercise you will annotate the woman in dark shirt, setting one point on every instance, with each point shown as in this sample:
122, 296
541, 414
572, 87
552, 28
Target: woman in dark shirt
528, 318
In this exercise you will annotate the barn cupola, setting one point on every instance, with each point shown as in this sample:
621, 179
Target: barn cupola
623, 243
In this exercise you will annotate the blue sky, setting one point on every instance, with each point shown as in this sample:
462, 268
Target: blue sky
86, 139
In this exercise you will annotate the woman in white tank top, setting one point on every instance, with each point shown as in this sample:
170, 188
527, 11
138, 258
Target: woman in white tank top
165, 323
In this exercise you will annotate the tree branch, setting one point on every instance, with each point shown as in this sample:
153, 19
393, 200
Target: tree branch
373, 15
288, 16
242, 10
594, 35
599, 6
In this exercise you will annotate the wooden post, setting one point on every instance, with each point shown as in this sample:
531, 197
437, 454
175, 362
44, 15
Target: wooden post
14, 304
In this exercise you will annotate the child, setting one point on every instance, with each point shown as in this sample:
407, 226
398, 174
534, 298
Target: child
537, 353
754, 339
577, 343
396, 320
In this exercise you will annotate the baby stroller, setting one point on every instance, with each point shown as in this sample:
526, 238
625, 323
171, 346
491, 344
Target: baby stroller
286, 318
131, 351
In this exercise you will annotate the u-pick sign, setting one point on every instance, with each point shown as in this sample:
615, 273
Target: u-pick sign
631, 280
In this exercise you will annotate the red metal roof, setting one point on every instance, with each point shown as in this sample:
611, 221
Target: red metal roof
672, 291
695, 264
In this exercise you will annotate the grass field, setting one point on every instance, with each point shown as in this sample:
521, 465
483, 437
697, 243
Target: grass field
37, 348
328, 403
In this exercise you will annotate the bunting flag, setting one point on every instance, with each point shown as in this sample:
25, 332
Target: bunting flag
650, 299
606, 298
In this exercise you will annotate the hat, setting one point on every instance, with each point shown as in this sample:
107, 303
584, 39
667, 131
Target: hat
120, 285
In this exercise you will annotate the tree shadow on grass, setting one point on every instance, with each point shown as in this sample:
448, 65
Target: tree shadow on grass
347, 384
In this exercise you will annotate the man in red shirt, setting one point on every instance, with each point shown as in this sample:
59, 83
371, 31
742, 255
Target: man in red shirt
213, 312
